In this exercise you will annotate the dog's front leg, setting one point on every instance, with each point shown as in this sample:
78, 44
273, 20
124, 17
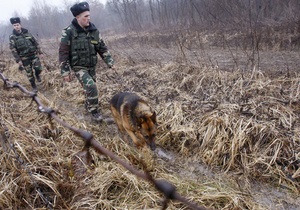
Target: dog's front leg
135, 140
126, 138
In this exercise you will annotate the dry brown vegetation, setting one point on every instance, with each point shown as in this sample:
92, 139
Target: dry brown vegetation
228, 139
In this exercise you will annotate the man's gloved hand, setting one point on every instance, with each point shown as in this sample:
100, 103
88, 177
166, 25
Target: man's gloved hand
21, 68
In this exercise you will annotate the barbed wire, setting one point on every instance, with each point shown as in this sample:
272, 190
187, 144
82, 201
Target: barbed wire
165, 187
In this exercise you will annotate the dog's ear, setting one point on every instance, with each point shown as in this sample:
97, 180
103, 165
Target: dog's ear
153, 117
140, 121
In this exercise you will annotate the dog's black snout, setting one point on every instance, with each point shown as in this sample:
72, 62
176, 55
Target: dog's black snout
152, 145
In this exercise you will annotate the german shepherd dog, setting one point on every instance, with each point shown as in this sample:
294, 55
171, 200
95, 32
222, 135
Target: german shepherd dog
133, 115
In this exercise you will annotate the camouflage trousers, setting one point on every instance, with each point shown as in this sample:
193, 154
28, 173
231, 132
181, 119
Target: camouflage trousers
87, 78
30, 63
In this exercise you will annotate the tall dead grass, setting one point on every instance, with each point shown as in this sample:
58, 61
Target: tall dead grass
242, 124
248, 124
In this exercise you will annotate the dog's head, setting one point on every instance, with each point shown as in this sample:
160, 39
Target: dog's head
147, 129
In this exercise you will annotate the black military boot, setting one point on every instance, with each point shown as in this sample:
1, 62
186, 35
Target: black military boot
38, 78
96, 116
33, 85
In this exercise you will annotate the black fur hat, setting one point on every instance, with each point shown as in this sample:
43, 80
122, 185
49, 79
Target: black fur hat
14, 20
78, 8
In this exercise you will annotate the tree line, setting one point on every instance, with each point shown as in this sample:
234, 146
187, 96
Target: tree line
47, 21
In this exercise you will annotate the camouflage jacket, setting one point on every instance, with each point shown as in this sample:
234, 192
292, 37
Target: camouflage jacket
23, 45
79, 47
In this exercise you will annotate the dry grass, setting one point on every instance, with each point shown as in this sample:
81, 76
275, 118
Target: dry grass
243, 126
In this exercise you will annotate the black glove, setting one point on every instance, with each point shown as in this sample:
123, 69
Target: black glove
21, 68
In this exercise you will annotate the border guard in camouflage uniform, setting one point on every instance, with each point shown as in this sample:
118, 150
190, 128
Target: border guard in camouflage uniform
25, 50
79, 45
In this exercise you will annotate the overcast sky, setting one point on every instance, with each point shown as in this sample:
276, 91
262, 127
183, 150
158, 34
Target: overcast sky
9, 8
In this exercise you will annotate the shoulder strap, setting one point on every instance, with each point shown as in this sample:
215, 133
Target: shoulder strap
13, 37
73, 31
